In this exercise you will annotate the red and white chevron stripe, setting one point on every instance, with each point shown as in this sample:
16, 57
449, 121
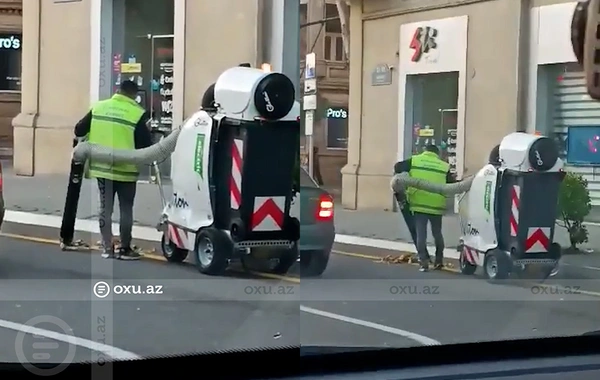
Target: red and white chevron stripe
178, 236
235, 182
470, 255
515, 200
268, 214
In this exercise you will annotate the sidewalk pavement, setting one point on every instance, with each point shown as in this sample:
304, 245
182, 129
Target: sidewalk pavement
45, 194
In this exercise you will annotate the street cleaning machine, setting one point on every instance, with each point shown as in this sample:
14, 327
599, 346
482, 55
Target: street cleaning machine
508, 209
232, 174
508, 216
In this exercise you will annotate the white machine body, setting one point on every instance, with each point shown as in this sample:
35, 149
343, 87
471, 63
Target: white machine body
190, 206
515, 149
242, 95
493, 215
235, 92
476, 211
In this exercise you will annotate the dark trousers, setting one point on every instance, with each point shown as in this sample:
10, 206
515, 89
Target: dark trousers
421, 221
126, 193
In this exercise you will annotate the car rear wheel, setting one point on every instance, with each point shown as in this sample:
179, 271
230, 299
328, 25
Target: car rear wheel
313, 263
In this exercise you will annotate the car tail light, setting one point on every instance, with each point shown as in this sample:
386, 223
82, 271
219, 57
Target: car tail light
325, 210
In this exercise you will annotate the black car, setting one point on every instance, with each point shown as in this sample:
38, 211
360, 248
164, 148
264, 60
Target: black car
317, 229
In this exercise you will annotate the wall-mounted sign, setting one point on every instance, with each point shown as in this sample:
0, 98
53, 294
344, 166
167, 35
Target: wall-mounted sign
424, 40
10, 41
381, 75
336, 113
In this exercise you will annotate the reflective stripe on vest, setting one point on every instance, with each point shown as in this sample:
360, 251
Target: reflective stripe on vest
113, 126
427, 166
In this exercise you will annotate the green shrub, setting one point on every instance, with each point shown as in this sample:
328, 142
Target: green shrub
574, 204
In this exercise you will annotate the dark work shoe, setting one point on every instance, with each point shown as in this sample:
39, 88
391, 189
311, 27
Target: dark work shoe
108, 254
423, 268
128, 254
438, 266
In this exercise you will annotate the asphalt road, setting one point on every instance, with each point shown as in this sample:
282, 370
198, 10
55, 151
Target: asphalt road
446, 307
358, 302
187, 312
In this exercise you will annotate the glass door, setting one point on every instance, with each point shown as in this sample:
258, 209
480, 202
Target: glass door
161, 92
156, 93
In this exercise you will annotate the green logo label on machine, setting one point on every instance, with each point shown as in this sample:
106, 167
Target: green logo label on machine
487, 196
199, 155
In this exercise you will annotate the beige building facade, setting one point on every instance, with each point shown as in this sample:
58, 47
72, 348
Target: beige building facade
457, 73
330, 130
78, 51
11, 44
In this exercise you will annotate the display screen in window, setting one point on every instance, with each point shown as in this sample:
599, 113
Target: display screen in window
583, 145
337, 128
10, 62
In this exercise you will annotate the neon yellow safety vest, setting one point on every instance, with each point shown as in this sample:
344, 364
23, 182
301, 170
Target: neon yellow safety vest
113, 126
429, 167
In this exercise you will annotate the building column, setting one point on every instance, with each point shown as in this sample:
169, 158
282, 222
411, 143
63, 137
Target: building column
281, 37
24, 123
350, 172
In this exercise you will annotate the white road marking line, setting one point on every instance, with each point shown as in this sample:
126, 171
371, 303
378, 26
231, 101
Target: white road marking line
581, 266
421, 339
110, 351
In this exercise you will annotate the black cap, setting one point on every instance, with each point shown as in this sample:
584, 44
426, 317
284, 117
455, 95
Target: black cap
208, 99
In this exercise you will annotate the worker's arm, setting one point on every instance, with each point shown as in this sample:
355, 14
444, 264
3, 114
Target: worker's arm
142, 135
82, 128
402, 166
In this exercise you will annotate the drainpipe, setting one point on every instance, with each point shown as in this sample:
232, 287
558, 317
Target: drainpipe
523, 58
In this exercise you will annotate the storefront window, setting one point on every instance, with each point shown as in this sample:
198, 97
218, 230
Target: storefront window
10, 62
432, 106
566, 113
142, 51
337, 127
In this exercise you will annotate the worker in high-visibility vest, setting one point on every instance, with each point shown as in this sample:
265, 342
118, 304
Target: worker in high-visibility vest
117, 123
424, 206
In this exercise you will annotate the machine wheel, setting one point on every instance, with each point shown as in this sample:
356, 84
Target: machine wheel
313, 263
213, 250
466, 267
286, 260
171, 252
496, 265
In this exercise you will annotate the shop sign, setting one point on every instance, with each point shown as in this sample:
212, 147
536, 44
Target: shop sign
381, 75
423, 41
336, 113
11, 42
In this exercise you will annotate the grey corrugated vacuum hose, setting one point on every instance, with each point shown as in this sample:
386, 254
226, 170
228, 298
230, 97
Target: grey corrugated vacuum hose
155, 153
401, 181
